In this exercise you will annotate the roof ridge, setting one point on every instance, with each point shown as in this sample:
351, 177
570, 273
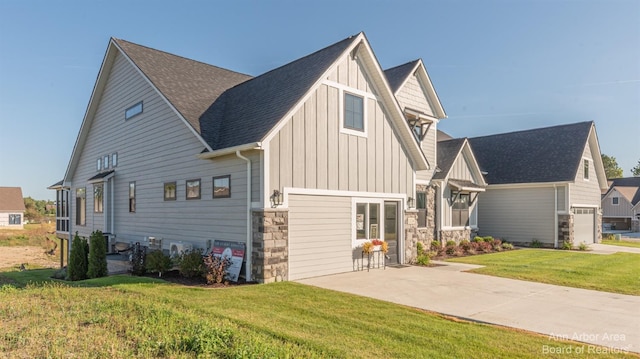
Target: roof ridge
534, 129
179, 56
401, 65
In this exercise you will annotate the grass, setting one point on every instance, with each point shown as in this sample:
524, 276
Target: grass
621, 243
37, 235
617, 273
123, 316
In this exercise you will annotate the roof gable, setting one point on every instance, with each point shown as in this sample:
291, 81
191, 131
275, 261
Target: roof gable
449, 151
629, 183
550, 154
11, 199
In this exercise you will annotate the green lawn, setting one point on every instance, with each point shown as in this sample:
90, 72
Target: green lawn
622, 243
617, 273
124, 317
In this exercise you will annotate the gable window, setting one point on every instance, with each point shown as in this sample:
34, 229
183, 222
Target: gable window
417, 132
81, 206
353, 112
460, 211
114, 159
421, 206
193, 189
615, 201
15, 219
105, 162
586, 169
132, 197
99, 164
98, 191
170, 191
222, 186
133, 111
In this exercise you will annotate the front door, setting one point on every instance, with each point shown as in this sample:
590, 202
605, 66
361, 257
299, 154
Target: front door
391, 232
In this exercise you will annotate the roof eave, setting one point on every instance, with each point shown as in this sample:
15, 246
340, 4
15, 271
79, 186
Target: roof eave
230, 150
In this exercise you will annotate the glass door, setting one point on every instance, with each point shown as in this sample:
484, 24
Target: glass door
391, 232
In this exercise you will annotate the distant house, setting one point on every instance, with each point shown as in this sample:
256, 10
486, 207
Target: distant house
621, 204
11, 207
544, 185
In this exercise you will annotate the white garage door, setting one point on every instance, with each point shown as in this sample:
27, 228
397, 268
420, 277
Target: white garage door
583, 225
319, 236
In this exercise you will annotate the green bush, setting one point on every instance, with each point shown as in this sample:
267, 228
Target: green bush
535, 244
158, 262
583, 247
465, 245
78, 260
507, 246
451, 243
423, 256
191, 264
478, 239
97, 256
60, 274
435, 245
488, 239
566, 245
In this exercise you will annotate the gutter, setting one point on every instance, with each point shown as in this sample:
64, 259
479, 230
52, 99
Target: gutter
231, 150
249, 248
555, 225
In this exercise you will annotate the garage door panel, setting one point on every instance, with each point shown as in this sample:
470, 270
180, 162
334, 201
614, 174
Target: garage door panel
583, 225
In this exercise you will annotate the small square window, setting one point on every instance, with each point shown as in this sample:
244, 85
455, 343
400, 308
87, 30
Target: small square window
615, 200
193, 189
99, 164
353, 112
222, 186
114, 159
105, 162
170, 191
133, 111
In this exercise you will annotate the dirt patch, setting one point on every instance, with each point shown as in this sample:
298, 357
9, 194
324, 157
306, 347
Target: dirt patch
28, 255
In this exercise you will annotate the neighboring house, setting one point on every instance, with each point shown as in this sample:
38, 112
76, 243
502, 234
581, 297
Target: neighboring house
621, 204
11, 207
544, 184
301, 164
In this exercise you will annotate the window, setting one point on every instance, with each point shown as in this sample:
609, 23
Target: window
114, 159
586, 169
367, 221
15, 219
81, 206
222, 186
193, 189
99, 165
98, 191
170, 191
133, 111
353, 112
421, 206
615, 200
460, 211
105, 162
132, 197
417, 132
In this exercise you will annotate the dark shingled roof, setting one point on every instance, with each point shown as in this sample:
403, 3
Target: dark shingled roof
11, 199
397, 75
548, 154
100, 175
447, 152
247, 112
628, 182
189, 85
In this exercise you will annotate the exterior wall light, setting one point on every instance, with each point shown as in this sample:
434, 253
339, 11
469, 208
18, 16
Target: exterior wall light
276, 198
411, 202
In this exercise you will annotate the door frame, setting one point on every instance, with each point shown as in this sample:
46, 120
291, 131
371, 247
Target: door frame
399, 225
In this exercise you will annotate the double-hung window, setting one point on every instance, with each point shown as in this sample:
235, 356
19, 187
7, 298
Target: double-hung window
460, 211
98, 196
81, 206
421, 206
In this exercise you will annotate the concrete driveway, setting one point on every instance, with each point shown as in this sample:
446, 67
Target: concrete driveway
593, 317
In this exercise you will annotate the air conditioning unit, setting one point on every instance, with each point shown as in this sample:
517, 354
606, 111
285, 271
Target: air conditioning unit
177, 248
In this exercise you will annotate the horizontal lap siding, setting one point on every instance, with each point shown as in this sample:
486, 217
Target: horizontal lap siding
585, 192
153, 148
319, 236
518, 214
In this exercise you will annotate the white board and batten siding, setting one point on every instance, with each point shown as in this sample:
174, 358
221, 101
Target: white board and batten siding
518, 215
621, 210
460, 170
153, 148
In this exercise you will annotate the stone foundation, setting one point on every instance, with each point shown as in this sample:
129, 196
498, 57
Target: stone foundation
599, 227
456, 235
410, 235
565, 229
270, 255
427, 234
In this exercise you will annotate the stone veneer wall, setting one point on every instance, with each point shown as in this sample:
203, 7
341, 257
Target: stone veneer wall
599, 227
565, 229
428, 233
270, 255
411, 235
456, 235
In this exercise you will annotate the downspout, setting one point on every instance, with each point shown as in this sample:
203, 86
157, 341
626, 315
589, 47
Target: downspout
113, 205
438, 206
249, 250
555, 225
105, 187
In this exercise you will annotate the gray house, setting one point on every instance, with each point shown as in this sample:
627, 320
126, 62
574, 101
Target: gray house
621, 205
302, 164
544, 184
11, 207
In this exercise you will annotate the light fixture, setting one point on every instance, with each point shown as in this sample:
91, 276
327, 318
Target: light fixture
276, 198
410, 202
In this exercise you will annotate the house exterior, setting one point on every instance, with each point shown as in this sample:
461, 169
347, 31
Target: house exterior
621, 205
544, 184
302, 164
11, 208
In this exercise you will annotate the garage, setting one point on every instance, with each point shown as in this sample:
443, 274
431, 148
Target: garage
583, 225
319, 236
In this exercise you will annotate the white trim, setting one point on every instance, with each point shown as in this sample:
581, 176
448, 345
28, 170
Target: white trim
578, 205
230, 150
324, 192
615, 204
588, 175
341, 109
380, 202
527, 185
353, 90
264, 175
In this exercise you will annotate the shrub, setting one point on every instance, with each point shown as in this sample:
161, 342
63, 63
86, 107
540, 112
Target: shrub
158, 262
423, 256
507, 246
465, 245
191, 263
435, 245
420, 248
97, 256
478, 239
215, 268
487, 239
566, 245
535, 244
60, 274
485, 247
78, 261
451, 243
138, 260
496, 244
583, 247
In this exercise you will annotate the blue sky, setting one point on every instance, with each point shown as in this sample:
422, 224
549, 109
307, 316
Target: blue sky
498, 66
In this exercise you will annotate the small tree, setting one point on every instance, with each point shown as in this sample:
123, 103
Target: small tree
97, 256
636, 170
158, 262
611, 168
78, 261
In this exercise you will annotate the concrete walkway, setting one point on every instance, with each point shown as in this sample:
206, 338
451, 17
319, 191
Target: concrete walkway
598, 248
601, 318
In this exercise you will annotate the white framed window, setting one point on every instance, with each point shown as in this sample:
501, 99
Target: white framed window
421, 206
15, 219
133, 111
105, 162
114, 159
367, 220
98, 196
585, 169
353, 117
193, 189
99, 164
615, 201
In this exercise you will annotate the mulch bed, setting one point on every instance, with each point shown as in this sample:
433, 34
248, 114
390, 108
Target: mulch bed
175, 277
